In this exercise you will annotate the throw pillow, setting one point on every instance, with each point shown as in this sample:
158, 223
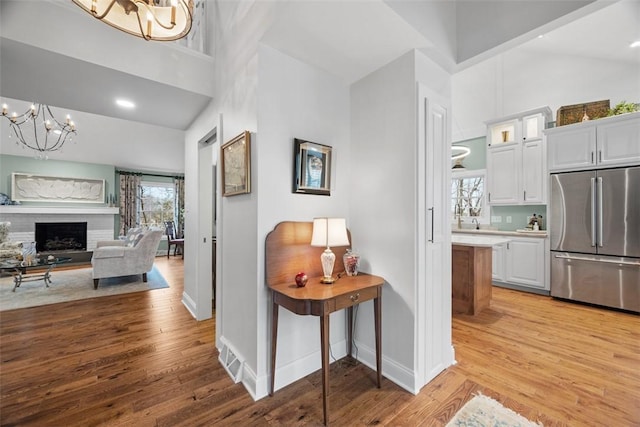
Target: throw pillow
132, 235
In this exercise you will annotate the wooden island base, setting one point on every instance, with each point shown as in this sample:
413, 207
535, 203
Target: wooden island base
470, 278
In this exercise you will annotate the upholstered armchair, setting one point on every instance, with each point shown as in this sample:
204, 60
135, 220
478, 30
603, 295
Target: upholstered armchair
8, 249
116, 258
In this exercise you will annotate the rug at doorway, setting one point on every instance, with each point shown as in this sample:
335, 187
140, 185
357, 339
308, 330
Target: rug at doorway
72, 285
483, 411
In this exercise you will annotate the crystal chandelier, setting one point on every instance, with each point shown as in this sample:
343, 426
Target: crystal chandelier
162, 20
39, 130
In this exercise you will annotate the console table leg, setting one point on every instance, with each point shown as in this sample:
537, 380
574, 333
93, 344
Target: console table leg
377, 304
274, 342
324, 343
349, 330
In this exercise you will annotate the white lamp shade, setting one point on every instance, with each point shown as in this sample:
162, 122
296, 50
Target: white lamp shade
329, 232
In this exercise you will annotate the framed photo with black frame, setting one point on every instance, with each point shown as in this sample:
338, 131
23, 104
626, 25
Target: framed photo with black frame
311, 168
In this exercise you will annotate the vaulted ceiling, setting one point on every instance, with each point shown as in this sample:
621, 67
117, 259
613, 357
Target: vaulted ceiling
348, 39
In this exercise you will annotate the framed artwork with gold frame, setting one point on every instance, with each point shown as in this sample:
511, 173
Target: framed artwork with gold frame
236, 165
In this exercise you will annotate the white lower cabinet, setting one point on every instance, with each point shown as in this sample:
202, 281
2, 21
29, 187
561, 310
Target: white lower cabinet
525, 262
520, 264
497, 262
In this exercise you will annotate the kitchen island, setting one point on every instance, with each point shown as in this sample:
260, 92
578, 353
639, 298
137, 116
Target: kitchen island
471, 268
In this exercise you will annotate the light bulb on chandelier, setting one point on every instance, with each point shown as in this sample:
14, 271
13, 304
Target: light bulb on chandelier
38, 129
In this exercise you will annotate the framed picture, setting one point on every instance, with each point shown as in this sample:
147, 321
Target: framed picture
311, 168
26, 187
236, 165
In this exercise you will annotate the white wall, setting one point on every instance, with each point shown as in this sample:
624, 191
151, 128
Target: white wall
296, 100
385, 212
383, 204
521, 80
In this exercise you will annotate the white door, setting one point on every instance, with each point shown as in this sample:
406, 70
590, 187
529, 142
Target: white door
206, 193
433, 311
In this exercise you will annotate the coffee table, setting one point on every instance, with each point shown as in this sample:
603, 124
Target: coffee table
21, 271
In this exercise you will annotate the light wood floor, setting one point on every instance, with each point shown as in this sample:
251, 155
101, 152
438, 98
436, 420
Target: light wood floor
140, 359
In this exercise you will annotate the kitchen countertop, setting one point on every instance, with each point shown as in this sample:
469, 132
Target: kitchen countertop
487, 232
481, 241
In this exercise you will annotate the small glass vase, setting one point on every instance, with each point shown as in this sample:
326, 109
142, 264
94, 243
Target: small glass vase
351, 261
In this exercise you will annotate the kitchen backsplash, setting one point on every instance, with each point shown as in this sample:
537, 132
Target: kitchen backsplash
511, 218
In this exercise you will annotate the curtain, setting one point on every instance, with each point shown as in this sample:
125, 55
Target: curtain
129, 195
179, 205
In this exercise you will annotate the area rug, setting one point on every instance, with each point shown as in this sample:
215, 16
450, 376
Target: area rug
71, 285
483, 411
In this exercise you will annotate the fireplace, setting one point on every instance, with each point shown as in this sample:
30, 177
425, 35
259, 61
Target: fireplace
61, 236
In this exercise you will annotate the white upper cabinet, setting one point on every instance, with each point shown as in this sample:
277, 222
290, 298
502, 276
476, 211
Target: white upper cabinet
516, 158
602, 143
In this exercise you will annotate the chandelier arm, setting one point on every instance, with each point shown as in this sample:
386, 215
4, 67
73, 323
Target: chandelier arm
106, 12
141, 30
39, 118
150, 9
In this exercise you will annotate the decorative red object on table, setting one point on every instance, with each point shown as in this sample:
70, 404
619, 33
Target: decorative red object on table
301, 279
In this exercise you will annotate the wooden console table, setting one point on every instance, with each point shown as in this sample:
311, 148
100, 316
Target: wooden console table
287, 252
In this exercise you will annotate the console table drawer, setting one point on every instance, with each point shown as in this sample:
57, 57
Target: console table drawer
355, 297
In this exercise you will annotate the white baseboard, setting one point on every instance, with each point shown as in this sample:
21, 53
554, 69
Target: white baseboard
189, 304
393, 371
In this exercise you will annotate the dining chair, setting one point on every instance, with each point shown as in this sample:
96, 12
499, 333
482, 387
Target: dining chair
172, 239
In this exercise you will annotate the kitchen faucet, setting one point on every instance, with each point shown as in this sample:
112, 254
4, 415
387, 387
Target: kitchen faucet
477, 223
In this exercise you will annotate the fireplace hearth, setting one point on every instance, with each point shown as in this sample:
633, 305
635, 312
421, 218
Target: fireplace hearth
61, 236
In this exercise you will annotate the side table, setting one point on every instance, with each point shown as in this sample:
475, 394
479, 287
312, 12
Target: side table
321, 300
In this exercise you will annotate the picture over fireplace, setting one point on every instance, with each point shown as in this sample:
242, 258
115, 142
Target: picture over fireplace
61, 236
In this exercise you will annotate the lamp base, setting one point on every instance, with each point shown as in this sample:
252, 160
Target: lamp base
328, 280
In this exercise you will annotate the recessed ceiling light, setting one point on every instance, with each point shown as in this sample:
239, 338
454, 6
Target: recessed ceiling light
540, 36
635, 44
124, 103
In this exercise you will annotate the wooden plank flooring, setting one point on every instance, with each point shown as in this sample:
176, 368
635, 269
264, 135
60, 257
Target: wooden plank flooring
141, 359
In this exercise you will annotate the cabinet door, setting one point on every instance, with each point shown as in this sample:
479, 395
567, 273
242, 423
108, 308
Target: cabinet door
503, 170
525, 262
533, 172
532, 127
572, 149
497, 262
619, 143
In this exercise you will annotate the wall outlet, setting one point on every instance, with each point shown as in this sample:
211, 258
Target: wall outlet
496, 219
509, 219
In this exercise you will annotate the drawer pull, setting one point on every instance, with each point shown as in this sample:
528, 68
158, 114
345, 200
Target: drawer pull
355, 297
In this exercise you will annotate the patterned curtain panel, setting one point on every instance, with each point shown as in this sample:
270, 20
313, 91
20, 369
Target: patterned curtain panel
129, 195
179, 205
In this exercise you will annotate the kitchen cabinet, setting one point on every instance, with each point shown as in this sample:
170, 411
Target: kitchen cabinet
525, 262
521, 263
516, 159
497, 262
603, 143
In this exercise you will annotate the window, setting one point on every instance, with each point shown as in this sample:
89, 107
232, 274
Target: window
467, 195
156, 204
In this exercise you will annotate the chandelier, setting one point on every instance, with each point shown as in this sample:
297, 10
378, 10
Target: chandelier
39, 130
162, 20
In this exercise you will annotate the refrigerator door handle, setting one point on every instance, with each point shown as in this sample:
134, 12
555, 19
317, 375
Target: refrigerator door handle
593, 211
600, 213
609, 261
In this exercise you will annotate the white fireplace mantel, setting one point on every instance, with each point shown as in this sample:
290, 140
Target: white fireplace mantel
52, 210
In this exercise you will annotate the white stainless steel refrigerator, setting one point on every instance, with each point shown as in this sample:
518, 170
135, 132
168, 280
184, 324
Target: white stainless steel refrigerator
594, 225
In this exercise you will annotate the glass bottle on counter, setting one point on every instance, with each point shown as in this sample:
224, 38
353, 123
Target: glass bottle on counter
351, 261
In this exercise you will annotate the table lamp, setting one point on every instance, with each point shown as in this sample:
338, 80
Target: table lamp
329, 232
